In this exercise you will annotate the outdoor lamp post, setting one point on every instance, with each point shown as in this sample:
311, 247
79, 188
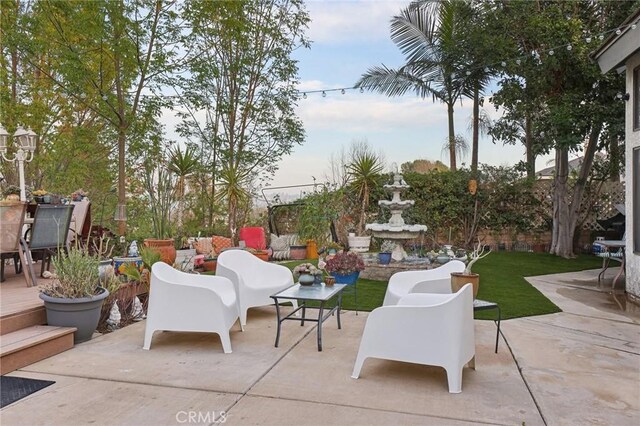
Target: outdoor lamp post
26, 142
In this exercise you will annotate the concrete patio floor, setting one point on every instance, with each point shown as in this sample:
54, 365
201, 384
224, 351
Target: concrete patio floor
580, 366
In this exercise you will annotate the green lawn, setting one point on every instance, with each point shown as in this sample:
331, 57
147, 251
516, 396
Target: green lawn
501, 280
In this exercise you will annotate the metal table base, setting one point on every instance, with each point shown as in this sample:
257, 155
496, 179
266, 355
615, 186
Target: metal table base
323, 313
481, 305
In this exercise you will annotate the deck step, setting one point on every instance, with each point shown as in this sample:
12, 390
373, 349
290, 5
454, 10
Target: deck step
23, 319
32, 344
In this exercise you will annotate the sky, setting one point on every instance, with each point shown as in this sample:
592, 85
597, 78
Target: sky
348, 37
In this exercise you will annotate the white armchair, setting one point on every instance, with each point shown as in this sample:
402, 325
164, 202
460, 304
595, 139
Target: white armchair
431, 329
254, 279
188, 302
437, 280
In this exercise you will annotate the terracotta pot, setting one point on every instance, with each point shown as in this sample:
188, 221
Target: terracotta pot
459, 279
539, 248
210, 265
165, 247
263, 255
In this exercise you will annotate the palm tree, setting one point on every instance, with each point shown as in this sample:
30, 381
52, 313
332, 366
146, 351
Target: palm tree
428, 33
364, 170
182, 164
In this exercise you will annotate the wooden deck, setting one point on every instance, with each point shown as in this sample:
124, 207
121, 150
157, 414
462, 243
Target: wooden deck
15, 296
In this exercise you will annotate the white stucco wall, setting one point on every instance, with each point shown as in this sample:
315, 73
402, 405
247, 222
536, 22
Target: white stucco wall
632, 141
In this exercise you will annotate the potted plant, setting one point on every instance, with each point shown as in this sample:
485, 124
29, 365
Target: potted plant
74, 298
459, 279
307, 274
384, 257
333, 248
364, 170
160, 189
11, 193
41, 196
102, 247
345, 267
315, 217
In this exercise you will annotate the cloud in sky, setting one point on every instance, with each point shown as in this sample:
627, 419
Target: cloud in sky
356, 112
337, 22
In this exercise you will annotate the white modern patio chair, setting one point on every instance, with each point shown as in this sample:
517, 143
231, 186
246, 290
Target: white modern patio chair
189, 302
431, 329
254, 279
437, 280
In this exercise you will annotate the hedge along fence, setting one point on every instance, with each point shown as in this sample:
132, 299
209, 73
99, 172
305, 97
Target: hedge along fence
506, 208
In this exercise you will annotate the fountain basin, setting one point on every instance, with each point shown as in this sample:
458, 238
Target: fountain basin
375, 271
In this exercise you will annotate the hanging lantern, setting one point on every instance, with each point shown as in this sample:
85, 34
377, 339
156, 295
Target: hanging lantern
473, 186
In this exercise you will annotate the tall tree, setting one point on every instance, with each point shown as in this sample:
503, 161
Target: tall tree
243, 77
109, 55
573, 101
428, 34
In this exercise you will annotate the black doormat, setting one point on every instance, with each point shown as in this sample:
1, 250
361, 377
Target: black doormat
15, 388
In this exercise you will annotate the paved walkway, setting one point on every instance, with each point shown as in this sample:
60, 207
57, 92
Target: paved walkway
577, 367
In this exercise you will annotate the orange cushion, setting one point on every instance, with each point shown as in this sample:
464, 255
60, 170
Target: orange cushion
220, 243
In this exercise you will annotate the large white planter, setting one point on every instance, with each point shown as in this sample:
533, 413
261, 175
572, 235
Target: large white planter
359, 244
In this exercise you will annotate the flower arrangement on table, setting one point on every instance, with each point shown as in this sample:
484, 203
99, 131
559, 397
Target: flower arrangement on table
306, 268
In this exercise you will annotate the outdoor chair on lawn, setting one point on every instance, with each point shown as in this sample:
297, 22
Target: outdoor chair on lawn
437, 280
431, 329
12, 218
254, 279
48, 235
190, 302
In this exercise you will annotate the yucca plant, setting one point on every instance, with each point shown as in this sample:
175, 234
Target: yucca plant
76, 275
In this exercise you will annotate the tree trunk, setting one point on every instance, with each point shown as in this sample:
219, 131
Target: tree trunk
565, 214
122, 200
528, 140
452, 139
614, 158
233, 216
476, 131
562, 237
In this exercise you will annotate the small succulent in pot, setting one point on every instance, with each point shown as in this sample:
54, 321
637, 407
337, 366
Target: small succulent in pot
387, 246
306, 268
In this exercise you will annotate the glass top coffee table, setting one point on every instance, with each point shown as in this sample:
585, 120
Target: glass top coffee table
303, 294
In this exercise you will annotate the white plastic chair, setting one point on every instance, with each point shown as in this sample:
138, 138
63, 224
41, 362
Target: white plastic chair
189, 302
437, 280
431, 329
254, 279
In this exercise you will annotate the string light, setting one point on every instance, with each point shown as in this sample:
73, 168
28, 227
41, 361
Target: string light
503, 64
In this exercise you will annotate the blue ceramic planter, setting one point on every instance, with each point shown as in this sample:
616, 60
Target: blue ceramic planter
384, 258
349, 279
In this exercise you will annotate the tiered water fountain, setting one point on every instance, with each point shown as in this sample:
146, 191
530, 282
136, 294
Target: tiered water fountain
397, 231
